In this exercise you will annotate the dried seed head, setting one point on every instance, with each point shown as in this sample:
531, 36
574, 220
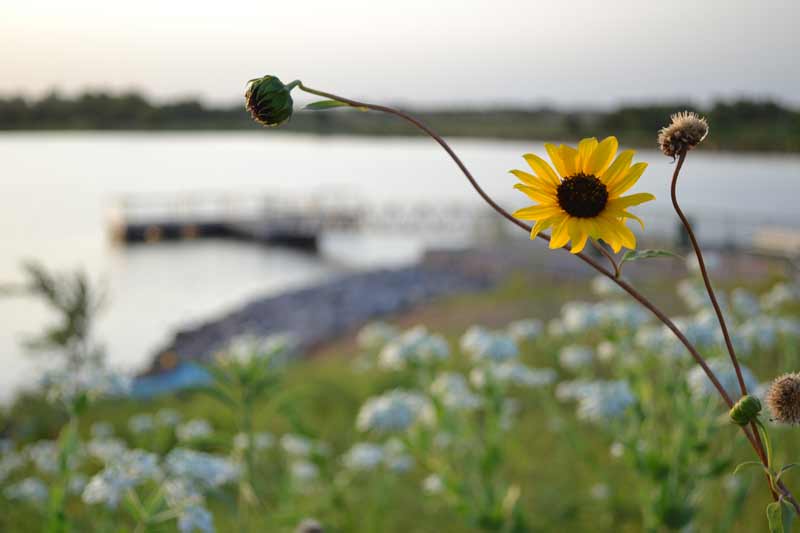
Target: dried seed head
686, 131
745, 410
783, 398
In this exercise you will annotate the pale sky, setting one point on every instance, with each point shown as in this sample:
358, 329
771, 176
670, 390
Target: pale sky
568, 52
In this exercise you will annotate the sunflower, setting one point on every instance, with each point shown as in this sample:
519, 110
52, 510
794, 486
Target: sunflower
582, 198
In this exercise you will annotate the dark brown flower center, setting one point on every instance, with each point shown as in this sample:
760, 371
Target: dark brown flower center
582, 195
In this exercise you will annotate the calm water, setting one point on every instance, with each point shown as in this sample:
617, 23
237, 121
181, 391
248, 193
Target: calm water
57, 189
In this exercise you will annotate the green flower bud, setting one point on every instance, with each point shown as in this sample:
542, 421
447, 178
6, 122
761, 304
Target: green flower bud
269, 101
746, 410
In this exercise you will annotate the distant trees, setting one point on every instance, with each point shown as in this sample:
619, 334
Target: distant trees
738, 124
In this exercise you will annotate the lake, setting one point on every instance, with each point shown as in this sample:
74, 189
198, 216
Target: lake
57, 189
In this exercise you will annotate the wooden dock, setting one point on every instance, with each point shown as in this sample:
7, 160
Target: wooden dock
263, 220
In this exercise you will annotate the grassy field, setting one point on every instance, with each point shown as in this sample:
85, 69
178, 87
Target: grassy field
663, 462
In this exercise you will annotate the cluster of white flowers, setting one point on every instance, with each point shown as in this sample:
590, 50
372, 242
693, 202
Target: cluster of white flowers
525, 330
105, 450
303, 471
452, 390
487, 346
261, 441
414, 347
701, 386
196, 429
395, 411
66, 386
141, 423
376, 335
363, 456
277, 350
122, 473
577, 317
575, 356
605, 401
32, 490
779, 295
168, 417
512, 373
204, 469
300, 446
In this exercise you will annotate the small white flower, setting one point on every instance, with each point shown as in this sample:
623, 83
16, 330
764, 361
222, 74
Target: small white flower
578, 317
180, 493
168, 417
31, 490
261, 441
77, 483
452, 390
433, 484
701, 386
487, 346
276, 350
745, 303
105, 450
397, 410
575, 357
363, 456
606, 351
415, 346
617, 450
513, 373
600, 491
297, 445
604, 286
195, 518
303, 471
196, 429
525, 330
102, 430
204, 469
395, 457
44, 455
604, 401
124, 472
141, 423
66, 386
375, 335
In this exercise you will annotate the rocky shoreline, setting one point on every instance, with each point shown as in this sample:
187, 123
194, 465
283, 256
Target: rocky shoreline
320, 313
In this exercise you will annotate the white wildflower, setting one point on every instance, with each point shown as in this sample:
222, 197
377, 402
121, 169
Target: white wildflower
31, 490
575, 357
106, 450
452, 390
168, 417
303, 471
701, 386
397, 410
579, 317
413, 347
525, 330
605, 287
512, 373
204, 469
395, 457
195, 518
605, 401
196, 429
363, 456
261, 441
487, 346
101, 430
375, 335
141, 423
297, 445
67, 385
44, 455
433, 484
125, 472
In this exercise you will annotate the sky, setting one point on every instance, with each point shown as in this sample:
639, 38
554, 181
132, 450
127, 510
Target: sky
435, 52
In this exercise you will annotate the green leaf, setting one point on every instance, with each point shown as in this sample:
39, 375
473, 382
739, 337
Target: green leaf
785, 469
746, 463
326, 104
788, 516
647, 254
775, 517
221, 396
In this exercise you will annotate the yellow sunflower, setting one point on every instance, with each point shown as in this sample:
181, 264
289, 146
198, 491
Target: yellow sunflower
582, 198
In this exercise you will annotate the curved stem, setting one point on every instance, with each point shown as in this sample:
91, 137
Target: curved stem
602, 250
704, 272
639, 297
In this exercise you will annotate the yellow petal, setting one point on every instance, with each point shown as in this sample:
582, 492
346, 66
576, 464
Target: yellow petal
602, 156
537, 212
560, 235
542, 169
618, 168
627, 201
544, 224
533, 181
585, 149
545, 198
569, 158
577, 234
555, 157
626, 180
634, 217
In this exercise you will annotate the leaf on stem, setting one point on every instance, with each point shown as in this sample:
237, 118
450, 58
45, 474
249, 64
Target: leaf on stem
326, 104
646, 254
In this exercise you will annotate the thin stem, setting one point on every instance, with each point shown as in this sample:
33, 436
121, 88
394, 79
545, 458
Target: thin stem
704, 272
639, 297
602, 250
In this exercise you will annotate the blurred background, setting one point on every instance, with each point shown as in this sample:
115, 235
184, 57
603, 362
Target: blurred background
118, 115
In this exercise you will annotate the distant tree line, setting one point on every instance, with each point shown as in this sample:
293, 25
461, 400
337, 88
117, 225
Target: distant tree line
735, 125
